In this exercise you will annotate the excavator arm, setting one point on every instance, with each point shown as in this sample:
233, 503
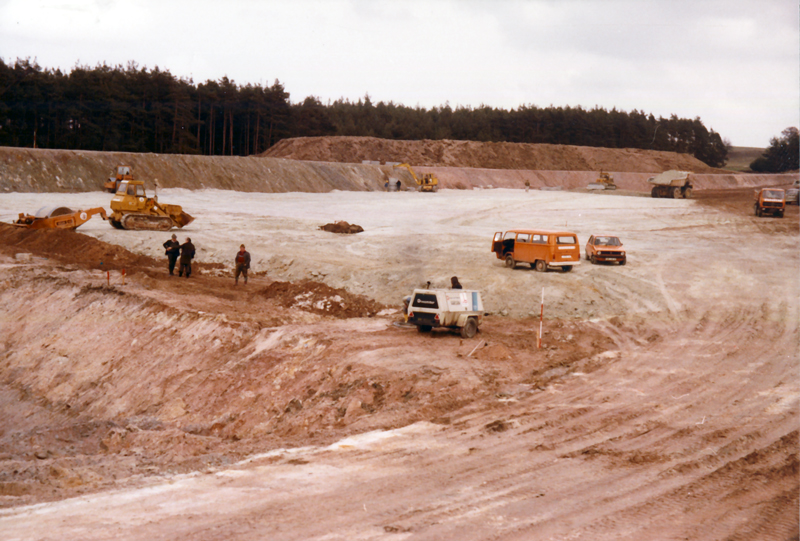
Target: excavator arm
406, 166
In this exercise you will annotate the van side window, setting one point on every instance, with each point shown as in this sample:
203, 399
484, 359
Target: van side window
523, 237
540, 239
566, 240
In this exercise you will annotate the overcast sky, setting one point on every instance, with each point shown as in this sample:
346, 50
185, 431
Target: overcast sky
733, 63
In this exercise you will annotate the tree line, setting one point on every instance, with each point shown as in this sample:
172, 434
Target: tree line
139, 110
783, 154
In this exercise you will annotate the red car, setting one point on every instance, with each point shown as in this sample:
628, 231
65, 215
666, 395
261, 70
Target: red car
605, 248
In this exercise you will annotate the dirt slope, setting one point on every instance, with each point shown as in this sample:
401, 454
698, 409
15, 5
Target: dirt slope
448, 153
316, 168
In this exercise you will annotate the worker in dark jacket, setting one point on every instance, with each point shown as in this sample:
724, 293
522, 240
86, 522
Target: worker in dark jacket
187, 254
242, 264
173, 248
454, 283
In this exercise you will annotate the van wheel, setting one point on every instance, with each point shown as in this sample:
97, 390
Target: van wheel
424, 328
541, 266
469, 329
510, 263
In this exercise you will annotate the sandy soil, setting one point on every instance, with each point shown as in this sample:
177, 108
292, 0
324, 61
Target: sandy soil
474, 154
663, 405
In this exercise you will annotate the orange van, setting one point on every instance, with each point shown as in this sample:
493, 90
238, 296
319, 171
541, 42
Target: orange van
540, 249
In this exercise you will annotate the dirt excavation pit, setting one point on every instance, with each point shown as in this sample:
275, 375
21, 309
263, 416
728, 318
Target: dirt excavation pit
662, 402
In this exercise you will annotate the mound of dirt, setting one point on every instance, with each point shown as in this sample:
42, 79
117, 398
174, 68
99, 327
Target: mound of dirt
449, 153
321, 299
71, 247
342, 227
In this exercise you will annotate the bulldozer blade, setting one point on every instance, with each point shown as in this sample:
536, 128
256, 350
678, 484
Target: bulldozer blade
184, 219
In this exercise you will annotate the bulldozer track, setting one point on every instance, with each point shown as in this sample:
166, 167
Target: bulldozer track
141, 222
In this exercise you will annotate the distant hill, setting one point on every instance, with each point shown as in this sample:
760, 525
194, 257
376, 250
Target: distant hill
740, 158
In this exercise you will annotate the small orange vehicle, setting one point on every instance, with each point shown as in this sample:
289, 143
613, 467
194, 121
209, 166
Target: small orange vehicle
770, 201
540, 249
604, 249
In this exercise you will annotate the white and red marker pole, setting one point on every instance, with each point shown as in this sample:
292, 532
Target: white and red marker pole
541, 320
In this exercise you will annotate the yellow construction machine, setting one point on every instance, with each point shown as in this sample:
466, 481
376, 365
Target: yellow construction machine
604, 182
123, 173
428, 182
58, 218
132, 209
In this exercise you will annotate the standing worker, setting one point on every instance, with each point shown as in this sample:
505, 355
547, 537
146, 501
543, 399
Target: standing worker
242, 264
454, 283
173, 248
527, 184
187, 254
398, 185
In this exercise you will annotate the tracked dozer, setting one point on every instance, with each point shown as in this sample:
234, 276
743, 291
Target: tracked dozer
58, 218
132, 209
123, 173
604, 182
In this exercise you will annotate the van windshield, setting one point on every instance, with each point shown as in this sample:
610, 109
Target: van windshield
773, 194
566, 240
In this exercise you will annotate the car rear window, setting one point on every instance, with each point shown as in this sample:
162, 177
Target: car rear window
566, 239
425, 300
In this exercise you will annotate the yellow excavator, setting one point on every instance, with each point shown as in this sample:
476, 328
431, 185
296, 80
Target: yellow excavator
428, 182
132, 209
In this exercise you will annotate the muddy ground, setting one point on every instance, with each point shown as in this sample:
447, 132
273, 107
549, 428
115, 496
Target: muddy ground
662, 405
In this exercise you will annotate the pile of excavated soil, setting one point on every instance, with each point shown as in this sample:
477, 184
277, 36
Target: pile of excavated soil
321, 299
68, 246
449, 153
342, 227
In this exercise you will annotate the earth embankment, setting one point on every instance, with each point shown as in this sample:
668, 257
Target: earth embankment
303, 170
475, 154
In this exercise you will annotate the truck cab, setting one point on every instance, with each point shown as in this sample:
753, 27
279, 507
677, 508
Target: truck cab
770, 201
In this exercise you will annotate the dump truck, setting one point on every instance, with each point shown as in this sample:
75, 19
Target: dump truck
58, 218
770, 201
132, 209
671, 184
604, 182
123, 173
427, 183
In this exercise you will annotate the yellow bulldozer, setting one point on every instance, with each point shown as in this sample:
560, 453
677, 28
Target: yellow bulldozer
123, 173
132, 209
58, 218
428, 183
604, 182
